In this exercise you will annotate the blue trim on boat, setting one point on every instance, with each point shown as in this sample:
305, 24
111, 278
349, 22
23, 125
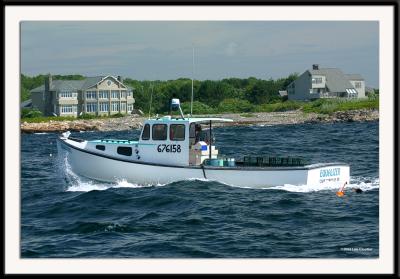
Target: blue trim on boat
113, 141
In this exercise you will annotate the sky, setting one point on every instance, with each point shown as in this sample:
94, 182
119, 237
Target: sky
163, 50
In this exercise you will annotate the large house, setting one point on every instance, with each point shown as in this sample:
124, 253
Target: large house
326, 83
103, 95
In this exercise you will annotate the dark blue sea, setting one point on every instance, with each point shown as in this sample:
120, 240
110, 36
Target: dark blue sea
67, 216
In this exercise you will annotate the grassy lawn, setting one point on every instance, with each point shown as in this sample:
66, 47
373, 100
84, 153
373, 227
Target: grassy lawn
41, 119
326, 106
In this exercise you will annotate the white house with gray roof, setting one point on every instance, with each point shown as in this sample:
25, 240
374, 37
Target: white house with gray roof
102, 95
326, 83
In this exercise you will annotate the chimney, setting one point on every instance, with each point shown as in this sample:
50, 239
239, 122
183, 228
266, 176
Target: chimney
315, 67
47, 83
119, 79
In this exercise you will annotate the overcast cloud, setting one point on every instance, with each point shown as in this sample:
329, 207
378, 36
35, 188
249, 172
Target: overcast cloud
163, 50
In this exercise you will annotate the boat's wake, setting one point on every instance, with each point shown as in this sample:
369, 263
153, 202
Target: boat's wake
363, 183
76, 183
99, 186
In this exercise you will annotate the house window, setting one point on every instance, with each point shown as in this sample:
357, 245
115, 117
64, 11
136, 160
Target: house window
114, 106
91, 94
129, 93
127, 151
67, 94
114, 94
130, 107
146, 132
123, 106
68, 109
357, 84
123, 93
103, 94
159, 132
91, 107
104, 107
317, 80
177, 132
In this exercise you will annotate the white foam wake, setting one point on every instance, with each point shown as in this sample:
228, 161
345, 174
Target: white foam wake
76, 183
86, 186
363, 183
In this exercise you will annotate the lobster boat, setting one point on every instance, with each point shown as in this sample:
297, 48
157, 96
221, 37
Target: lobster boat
171, 149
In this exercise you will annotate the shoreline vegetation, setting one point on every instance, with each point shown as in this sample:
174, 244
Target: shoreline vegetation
249, 101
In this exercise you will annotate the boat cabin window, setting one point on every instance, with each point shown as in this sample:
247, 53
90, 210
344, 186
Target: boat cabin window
159, 132
100, 147
146, 132
123, 150
177, 132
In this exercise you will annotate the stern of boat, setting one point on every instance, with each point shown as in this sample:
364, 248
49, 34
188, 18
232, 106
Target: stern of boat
333, 175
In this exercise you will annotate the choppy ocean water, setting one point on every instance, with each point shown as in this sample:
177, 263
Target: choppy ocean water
67, 216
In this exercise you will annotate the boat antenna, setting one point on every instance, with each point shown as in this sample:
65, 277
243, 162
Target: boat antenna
151, 98
191, 102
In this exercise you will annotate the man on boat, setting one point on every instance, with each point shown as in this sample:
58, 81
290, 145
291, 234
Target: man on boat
197, 132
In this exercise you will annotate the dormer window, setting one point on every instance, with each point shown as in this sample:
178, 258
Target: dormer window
317, 80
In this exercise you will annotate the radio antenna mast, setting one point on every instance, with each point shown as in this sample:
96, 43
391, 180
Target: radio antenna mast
151, 98
191, 103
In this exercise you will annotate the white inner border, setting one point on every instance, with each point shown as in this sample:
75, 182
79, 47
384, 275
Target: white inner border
15, 14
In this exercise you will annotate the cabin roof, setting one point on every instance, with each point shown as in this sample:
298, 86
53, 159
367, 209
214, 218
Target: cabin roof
207, 119
190, 120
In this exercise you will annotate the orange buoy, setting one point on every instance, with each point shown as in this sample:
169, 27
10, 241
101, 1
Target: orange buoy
340, 193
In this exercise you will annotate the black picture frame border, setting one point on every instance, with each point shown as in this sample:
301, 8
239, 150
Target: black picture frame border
396, 104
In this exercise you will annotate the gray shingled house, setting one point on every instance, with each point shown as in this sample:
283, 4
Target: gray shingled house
102, 95
326, 83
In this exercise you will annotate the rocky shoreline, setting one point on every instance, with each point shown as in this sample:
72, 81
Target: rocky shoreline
261, 118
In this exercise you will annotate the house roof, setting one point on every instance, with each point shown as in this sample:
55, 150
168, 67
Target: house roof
336, 81
354, 77
74, 84
26, 103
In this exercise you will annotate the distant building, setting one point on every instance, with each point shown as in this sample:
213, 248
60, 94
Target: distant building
326, 83
103, 95
26, 104
282, 93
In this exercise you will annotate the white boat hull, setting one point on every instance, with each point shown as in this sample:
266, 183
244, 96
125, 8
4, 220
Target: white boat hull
107, 169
